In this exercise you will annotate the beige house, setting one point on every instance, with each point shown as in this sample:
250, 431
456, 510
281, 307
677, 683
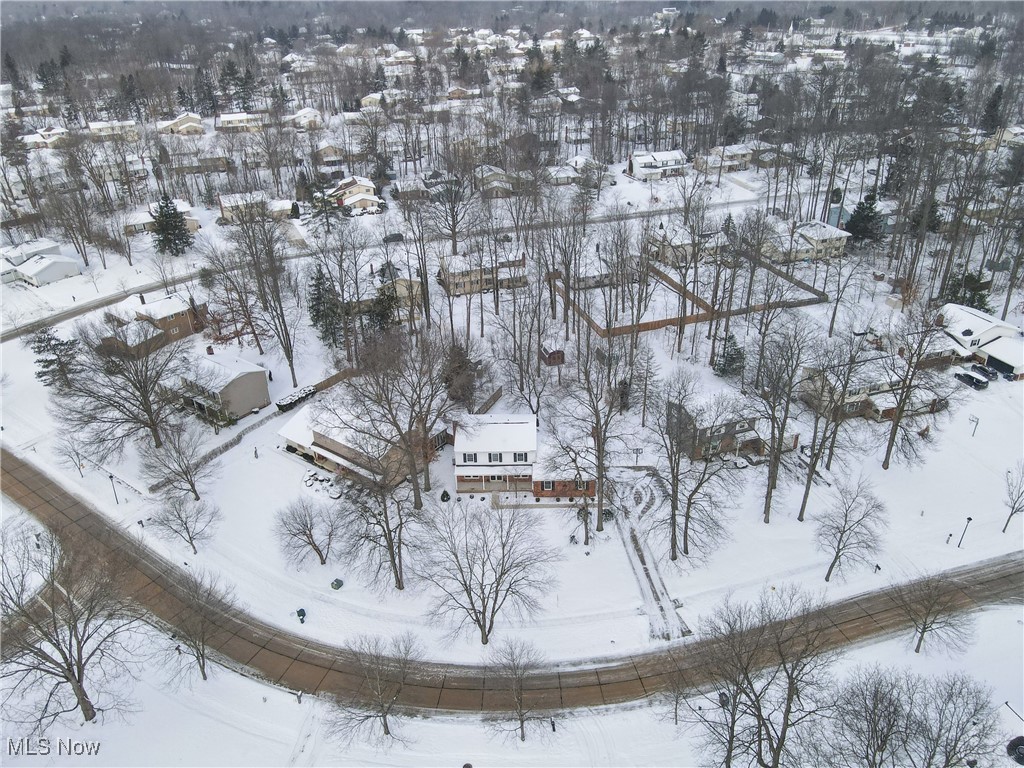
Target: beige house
349, 187
145, 221
238, 122
112, 129
233, 205
225, 387
307, 119
329, 155
45, 138
185, 124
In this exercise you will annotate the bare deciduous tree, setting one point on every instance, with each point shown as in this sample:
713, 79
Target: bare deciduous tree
850, 529
779, 371
397, 400
190, 520
72, 453
935, 607
376, 524
773, 664
260, 243
179, 465
70, 634
385, 668
205, 600
888, 717
307, 526
913, 342
513, 662
125, 387
1014, 492
484, 561
697, 487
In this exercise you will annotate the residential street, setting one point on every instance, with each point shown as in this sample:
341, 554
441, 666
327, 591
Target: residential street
303, 665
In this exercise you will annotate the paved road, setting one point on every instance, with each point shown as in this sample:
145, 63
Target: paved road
77, 310
301, 664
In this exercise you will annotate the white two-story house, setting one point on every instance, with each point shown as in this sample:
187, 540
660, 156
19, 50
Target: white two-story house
495, 452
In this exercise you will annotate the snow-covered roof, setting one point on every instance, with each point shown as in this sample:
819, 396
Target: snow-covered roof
225, 368
181, 205
1008, 350
22, 253
38, 264
492, 432
168, 306
298, 429
819, 230
243, 198
966, 323
360, 197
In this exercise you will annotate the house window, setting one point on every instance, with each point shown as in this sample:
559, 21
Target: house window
975, 342
494, 458
852, 407
519, 458
496, 478
581, 485
547, 485
470, 477
469, 458
174, 331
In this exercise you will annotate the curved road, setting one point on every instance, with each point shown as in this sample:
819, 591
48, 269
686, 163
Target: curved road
317, 668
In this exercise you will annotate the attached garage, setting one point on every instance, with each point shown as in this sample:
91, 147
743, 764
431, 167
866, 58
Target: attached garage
1006, 355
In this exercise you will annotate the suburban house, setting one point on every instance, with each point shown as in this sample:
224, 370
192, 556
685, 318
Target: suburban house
329, 155
344, 452
656, 165
231, 206
480, 278
562, 175
153, 324
44, 269
19, 254
703, 441
457, 93
306, 119
806, 240
185, 124
735, 157
499, 452
225, 387
145, 221
987, 339
238, 122
112, 129
349, 187
173, 314
868, 393
363, 203
411, 188
215, 164
675, 244
45, 138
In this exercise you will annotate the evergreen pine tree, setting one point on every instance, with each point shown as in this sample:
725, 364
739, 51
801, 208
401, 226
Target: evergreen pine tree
384, 309
865, 223
731, 360
55, 357
966, 288
324, 310
990, 117
171, 234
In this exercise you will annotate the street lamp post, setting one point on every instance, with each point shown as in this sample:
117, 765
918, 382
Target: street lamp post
964, 533
113, 488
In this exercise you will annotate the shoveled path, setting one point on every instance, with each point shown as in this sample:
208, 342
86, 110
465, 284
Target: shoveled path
306, 665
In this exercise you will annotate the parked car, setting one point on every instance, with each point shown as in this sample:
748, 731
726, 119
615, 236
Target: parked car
394, 237
983, 370
972, 380
1009, 376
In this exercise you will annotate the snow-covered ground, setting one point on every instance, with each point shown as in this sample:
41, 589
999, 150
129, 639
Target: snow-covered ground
233, 720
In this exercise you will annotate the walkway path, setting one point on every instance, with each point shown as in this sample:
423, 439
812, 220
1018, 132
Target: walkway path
301, 664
